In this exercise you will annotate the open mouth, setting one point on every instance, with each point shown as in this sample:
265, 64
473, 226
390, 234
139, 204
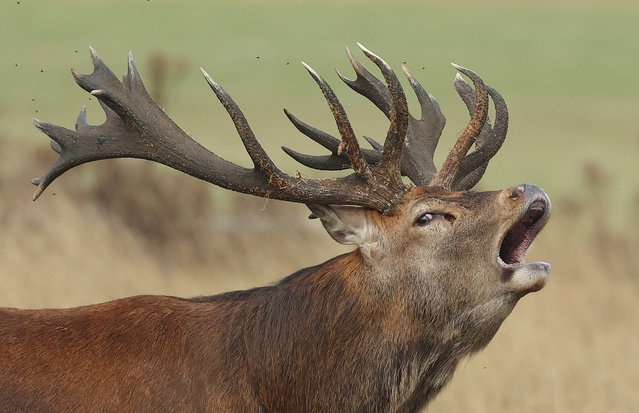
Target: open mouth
519, 237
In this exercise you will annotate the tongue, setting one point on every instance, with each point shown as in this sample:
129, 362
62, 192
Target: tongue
514, 245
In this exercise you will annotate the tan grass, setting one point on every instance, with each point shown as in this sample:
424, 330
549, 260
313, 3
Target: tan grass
573, 347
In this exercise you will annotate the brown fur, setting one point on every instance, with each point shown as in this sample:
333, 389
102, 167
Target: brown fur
377, 332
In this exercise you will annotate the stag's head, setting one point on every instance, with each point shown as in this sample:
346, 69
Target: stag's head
449, 257
452, 253
447, 254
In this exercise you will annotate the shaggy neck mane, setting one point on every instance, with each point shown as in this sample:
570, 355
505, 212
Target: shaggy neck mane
333, 331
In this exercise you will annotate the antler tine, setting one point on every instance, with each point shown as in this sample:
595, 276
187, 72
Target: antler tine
423, 135
103, 82
349, 141
58, 136
447, 174
333, 162
367, 84
390, 164
489, 141
465, 175
322, 162
372, 142
257, 154
431, 113
326, 140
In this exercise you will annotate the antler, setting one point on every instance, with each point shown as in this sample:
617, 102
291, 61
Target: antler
136, 127
460, 171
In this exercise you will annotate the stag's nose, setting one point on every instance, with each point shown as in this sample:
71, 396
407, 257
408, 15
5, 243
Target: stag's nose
518, 191
533, 196
528, 191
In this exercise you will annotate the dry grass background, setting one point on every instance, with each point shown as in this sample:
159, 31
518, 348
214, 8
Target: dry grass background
125, 228
120, 228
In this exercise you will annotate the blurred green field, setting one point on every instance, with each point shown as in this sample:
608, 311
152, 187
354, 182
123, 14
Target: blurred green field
112, 229
565, 68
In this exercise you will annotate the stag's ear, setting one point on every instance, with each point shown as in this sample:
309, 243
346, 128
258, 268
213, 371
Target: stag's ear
349, 225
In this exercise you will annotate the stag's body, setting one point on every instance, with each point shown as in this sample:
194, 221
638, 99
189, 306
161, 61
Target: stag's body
328, 347
436, 270
321, 340
341, 336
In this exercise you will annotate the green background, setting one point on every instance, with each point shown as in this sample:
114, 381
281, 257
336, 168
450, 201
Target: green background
565, 68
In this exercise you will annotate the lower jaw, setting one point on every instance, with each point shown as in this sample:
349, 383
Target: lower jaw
528, 277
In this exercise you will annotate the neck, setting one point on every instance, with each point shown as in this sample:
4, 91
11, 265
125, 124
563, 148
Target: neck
325, 336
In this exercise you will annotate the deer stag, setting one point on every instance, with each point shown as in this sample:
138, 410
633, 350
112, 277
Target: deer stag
436, 270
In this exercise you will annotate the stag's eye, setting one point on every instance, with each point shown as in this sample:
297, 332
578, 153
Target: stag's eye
424, 219
428, 217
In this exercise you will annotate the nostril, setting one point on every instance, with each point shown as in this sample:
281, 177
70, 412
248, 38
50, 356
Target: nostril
517, 192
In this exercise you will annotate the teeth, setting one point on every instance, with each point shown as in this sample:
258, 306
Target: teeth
537, 205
